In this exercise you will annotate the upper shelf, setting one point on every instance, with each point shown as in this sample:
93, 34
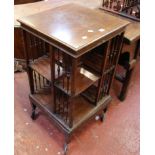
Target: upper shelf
42, 66
84, 77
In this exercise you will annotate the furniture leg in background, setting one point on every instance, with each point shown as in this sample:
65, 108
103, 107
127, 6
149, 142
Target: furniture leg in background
128, 66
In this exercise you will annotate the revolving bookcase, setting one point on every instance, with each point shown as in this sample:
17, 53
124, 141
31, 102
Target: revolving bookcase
65, 81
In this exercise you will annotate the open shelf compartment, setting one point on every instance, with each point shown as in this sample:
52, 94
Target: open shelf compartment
83, 110
43, 67
84, 79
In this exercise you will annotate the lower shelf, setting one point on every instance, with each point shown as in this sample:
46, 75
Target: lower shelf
83, 110
90, 93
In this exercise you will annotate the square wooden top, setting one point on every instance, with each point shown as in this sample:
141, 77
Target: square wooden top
74, 27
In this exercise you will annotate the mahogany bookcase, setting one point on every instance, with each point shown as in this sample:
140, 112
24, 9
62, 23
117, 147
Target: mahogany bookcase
74, 52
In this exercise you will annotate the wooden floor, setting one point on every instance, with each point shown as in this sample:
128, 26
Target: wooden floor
117, 135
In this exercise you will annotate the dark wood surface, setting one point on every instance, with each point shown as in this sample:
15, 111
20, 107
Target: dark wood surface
132, 32
73, 22
26, 10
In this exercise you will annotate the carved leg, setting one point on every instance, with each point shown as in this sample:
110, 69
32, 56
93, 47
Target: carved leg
33, 111
125, 84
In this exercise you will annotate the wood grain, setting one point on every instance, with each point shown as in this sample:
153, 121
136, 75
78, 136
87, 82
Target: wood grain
71, 24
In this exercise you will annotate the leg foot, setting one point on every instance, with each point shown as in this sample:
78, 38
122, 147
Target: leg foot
65, 148
102, 117
33, 115
121, 97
